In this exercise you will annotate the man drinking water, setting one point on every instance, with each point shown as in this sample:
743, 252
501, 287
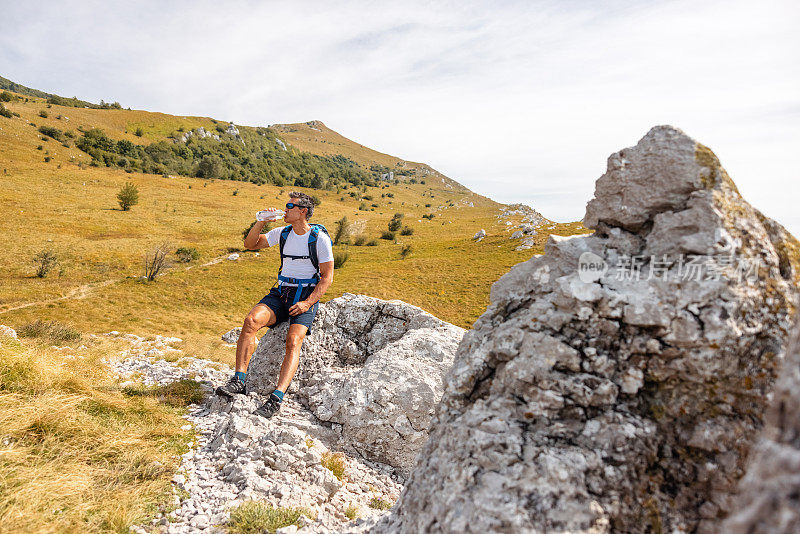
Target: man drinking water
306, 273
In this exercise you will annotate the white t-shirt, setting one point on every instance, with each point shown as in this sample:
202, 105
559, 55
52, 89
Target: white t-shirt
297, 245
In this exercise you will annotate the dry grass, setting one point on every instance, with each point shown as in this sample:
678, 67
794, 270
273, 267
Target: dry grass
76, 455
379, 503
447, 275
254, 517
335, 463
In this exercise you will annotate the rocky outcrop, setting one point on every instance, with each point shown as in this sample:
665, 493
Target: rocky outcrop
616, 383
291, 460
770, 491
371, 368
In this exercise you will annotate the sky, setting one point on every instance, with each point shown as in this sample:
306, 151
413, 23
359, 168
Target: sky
519, 101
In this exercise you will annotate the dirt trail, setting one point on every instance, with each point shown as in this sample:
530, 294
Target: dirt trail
85, 290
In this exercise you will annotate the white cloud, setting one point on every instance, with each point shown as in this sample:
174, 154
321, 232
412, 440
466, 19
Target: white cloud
518, 100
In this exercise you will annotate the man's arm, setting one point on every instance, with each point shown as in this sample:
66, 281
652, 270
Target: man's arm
255, 239
326, 273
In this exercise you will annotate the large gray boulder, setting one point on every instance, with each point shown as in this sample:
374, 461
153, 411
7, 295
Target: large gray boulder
770, 491
372, 366
618, 382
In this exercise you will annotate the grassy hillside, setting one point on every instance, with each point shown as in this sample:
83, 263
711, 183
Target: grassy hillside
56, 200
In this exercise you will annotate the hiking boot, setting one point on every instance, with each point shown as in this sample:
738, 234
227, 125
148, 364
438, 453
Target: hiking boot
269, 408
234, 387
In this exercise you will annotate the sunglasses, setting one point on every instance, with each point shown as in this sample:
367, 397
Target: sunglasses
290, 205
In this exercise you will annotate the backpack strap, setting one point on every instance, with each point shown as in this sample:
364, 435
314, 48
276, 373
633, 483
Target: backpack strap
312, 247
282, 242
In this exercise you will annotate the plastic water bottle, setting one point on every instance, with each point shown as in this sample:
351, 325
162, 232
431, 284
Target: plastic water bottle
271, 214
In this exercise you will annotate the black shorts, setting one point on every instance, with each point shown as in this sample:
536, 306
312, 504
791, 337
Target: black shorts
279, 301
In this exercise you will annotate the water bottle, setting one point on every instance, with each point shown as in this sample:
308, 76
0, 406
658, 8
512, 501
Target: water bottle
271, 214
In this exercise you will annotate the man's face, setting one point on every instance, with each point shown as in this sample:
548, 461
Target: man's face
295, 214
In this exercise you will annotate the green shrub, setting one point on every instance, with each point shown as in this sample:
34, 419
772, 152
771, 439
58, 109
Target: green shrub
340, 258
429, 216
389, 236
210, 167
43, 114
5, 96
396, 222
267, 227
379, 503
427, 205
139, 132
5, 112
187, 254
360, 240
44, 262
54, 331
405, 251
40, 147
128, 196
373, 243
49, 131
341, 230
351, 512
47, 159
407, 230
363, 207
254, 517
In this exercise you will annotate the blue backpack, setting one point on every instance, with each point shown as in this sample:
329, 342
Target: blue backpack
312, 255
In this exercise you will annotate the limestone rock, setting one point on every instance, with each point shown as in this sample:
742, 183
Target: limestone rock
770, 490
480, 234
7, 331
374, 367
616, 383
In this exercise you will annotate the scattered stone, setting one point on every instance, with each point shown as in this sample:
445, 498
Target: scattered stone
480, 234
7, 331
233, 257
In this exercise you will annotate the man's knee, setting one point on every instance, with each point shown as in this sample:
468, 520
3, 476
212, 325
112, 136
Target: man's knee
294, 339
257, 319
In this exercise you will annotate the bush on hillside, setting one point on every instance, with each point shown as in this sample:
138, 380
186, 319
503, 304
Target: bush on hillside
44, 262
407, 230
405, 251
360, 240
386, 234
396, 222
187, 254
43, 114
429, 216
339, 258
5, 112
6, 96
54, 133
341, 231
128, 196
373, 243
267, 227
155, 261
210, 167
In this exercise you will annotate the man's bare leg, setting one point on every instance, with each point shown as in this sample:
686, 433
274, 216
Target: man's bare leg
259, 317
294, 341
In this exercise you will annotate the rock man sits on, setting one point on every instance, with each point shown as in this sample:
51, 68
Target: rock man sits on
295, 297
